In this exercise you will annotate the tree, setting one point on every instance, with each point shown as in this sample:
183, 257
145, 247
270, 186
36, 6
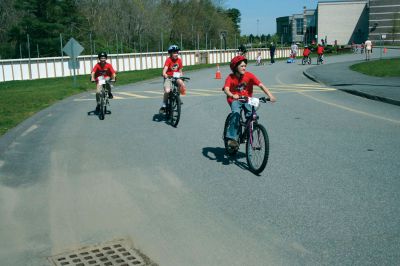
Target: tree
234, 15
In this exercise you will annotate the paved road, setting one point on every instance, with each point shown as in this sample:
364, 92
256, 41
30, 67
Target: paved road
329, 194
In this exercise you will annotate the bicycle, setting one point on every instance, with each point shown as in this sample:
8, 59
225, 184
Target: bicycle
306, 60
173, 105
253, 134
104, 98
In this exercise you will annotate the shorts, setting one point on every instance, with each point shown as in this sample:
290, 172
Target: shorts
167, 85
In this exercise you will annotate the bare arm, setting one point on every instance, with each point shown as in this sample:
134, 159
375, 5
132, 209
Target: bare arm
229, 94
268, 92
164, 72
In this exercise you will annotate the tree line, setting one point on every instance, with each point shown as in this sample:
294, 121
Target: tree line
39, 28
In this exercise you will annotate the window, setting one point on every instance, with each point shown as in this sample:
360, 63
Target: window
299, 26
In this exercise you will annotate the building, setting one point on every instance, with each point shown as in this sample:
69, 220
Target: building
342, 22
384, 21
297, 28
284, 29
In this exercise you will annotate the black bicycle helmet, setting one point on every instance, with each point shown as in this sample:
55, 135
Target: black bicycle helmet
102, 54
173, 48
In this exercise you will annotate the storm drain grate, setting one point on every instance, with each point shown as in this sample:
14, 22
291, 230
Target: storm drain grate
117, 252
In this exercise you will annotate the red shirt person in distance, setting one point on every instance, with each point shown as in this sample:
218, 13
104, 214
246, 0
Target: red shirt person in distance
240, 83
320, 49
306, 52
102, 68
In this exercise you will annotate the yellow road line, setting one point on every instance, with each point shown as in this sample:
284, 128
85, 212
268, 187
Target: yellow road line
351, 109
192, 92
133, 95
154, 92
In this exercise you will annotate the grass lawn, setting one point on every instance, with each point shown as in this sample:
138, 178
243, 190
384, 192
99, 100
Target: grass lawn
21, 99
379, 68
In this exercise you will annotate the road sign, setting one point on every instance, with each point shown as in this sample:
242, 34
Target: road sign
73, 64
73, 48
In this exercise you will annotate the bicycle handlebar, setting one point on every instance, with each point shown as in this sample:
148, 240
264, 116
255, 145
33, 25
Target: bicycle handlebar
246, 98
182, 78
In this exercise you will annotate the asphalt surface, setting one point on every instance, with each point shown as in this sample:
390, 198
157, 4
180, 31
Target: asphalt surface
328, 196
339, 75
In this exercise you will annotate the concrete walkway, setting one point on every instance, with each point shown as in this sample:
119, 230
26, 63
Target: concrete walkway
340, 76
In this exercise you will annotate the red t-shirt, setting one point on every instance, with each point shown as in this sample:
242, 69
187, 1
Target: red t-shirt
242, 87
173, 65
320, 50
107, 70
306, 52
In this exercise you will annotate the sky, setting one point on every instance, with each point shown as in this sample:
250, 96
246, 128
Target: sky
266, 12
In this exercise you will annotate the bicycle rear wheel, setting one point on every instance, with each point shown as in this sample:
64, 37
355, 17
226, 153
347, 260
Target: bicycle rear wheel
257, 148
226, 125
175, 111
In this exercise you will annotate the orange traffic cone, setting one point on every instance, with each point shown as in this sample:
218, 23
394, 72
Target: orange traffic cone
384, 50
218, 73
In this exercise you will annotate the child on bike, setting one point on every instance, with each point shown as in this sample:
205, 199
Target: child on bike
320, 52
306, 53
172, 64
102, 68
240, 83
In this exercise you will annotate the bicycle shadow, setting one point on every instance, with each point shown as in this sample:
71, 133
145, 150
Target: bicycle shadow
96, 113
159, 118
219, 155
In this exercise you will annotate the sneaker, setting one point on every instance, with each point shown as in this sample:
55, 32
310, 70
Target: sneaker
162, 110
233, 144
110, 96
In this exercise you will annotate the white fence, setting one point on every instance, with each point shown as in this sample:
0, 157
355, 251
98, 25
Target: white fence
50, 67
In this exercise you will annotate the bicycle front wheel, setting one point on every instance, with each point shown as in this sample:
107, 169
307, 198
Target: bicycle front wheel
257, 148
175, 111
102, 107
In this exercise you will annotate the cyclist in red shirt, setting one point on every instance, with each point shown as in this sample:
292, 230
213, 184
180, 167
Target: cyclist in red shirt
102, 68
240, 83
320, 52
306, 52
171, 65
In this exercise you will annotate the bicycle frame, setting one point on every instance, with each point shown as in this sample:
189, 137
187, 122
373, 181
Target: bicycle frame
248, 126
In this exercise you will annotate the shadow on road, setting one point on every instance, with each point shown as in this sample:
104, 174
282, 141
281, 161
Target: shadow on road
219, 155
159, 118
94, 112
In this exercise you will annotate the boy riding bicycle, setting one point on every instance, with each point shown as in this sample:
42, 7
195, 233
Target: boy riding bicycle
240, 83
320, 52
102, 68
172, 64
306, 53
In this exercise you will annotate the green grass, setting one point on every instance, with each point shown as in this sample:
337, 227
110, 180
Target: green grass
379, 68
21, 99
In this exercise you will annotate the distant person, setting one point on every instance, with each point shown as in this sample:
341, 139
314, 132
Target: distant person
323, 42
242, 50
368, 49
294, 48
320, 52
272, 49
306, 54
259, 62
